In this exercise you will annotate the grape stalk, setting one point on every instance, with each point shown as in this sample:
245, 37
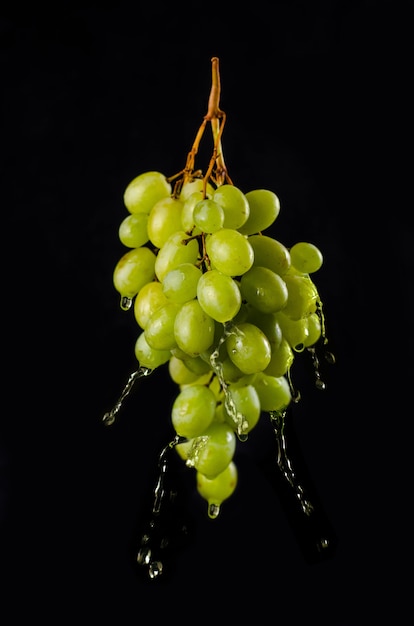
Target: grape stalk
227, 308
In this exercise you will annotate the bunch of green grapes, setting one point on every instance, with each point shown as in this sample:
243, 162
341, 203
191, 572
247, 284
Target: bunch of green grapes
226, 306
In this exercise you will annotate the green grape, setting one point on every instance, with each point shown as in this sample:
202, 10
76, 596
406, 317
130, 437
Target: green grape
164, 220
195, 186
247, 407
229, 252
179, 372
268, 323
187, 213
193, 411
302, 296
197, 364
149, 298
133, 270
296, 331
218, 489
264, 289
193, 329
179, 248
219, 295
208, 216
149, 357
281, 360
264, 209
159, 331
211, 452
274, 392
306, 257
270, 253
314, 330
249, 348
180, 283
234, 204
133, 231
145, 190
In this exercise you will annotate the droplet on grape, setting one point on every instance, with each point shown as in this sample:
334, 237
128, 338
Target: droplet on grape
126, 303
213, 510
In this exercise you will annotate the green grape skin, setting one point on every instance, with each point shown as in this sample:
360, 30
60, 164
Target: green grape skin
194, 330
187, 213
229, 252
269, 252
218, 489
306, 257
302, 296
196, 364
295, 331
264, 209
195, 186
149, 298
133, 232
235, 206
164, 220
145, 190
179, 248
193, 410
159, 331
133, 270
208, 216
180, 283
264, 289
219, 295
314, 330
247, 404
211, 452
147, 356
274, 392
281, 360
179, 372
268, 323
249, 348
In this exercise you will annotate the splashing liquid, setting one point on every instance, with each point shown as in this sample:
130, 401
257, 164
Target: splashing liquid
109, 417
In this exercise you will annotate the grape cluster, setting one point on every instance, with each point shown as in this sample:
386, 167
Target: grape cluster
224, 304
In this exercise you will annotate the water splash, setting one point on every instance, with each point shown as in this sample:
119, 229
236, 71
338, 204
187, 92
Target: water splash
242, 425
313, 350
284, 463
109, 417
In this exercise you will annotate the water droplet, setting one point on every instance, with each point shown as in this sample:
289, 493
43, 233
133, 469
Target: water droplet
125, 303
323, 544
144, 556
213, 510
155, 569
242, 436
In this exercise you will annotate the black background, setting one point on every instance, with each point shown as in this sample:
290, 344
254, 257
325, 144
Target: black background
316, 100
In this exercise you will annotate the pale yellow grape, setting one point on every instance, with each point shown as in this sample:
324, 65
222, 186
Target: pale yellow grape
264, 289
159, 331
149, 298
269, 252
145, 190
194, 186
235, 206
178, 248
247, 404
264, 209
193, 410
211, 452
249, 348
208, 216
133, 231
149, 357
281, 360
274, 392
216, 490
164, 219
296, 331
302, 296
314, 329
180, 284
306, 257
229, 252
133, 270
219, 295
193, 329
